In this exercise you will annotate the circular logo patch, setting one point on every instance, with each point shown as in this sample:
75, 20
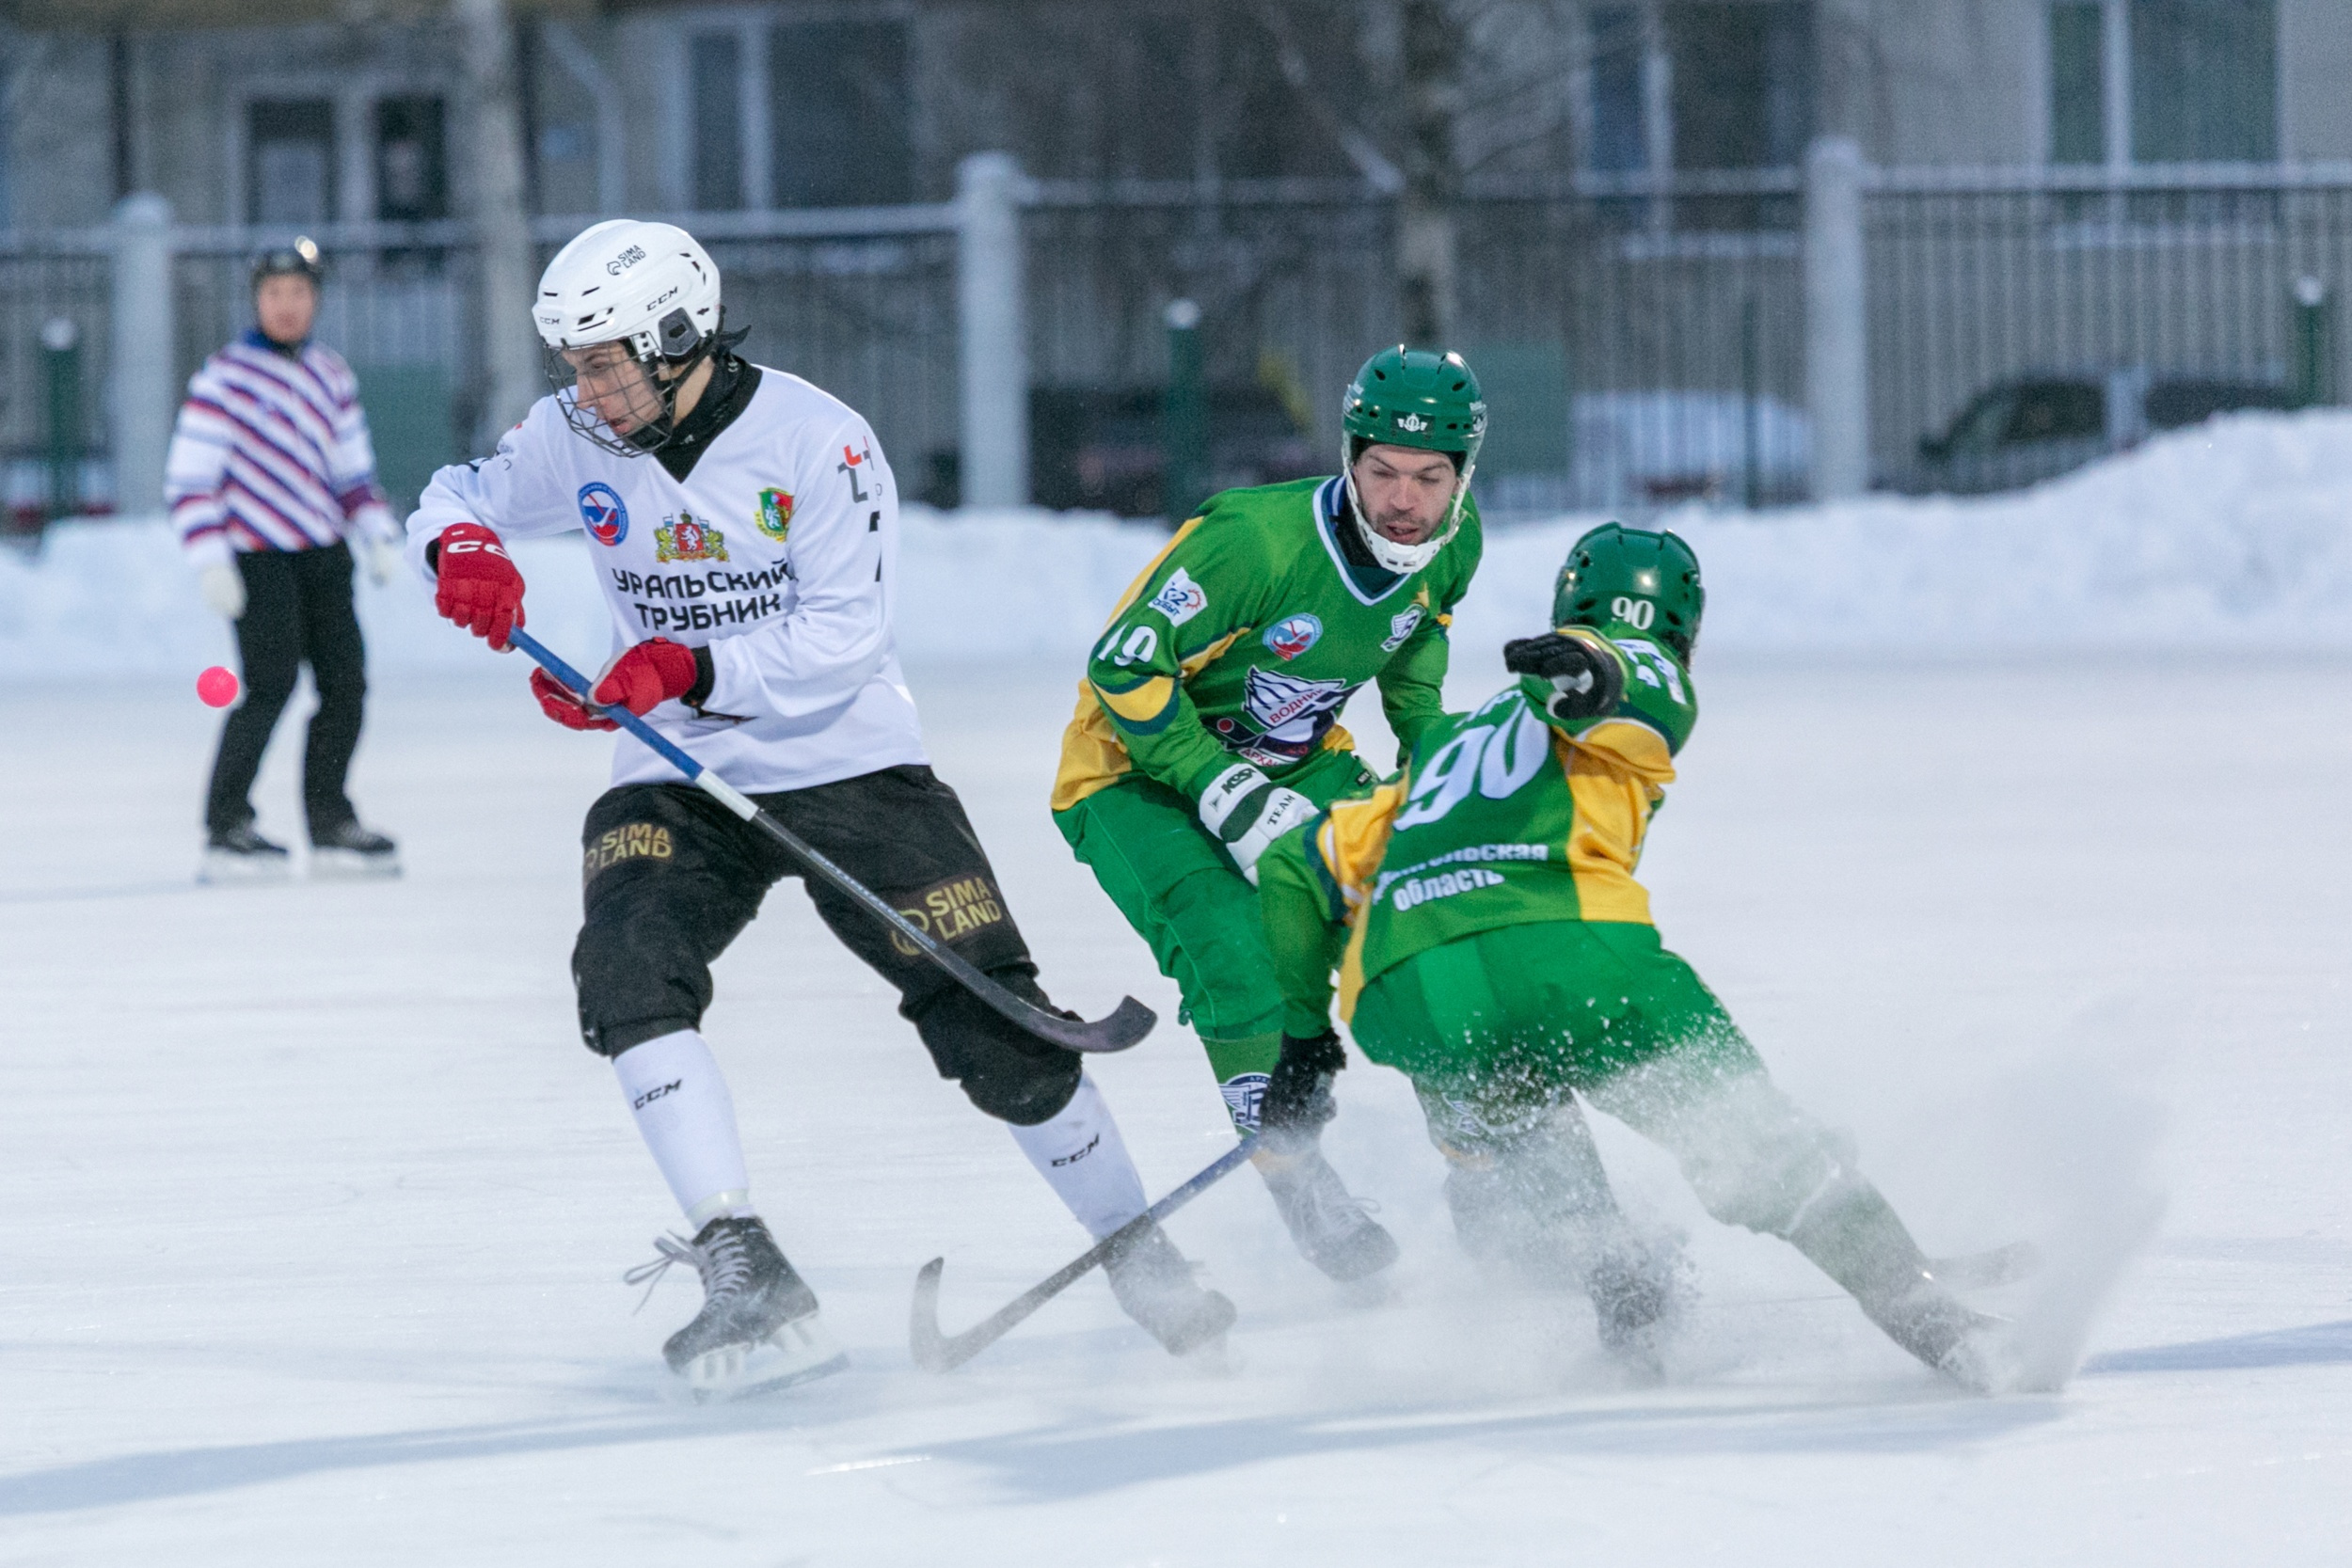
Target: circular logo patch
600, 508
1293, 635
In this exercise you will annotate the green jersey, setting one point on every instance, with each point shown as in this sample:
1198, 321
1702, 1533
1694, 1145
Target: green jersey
1246, 637
1504, 817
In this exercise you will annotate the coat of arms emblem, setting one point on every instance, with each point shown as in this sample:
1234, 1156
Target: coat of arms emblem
689, 539
775, 514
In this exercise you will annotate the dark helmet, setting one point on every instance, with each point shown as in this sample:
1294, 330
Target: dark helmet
1622, 576
298, 260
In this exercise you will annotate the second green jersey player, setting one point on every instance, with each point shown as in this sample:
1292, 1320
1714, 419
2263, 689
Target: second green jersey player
1207, 724
1492, 943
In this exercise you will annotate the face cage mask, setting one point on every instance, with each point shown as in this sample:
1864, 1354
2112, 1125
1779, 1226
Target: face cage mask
1404, 560
651, 403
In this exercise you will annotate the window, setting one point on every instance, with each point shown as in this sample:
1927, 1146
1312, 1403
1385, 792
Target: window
290, 161
715, 71
2079, 111
1742, 92
411, 169
2204, 81
2200, 81
839, 115
1620, 141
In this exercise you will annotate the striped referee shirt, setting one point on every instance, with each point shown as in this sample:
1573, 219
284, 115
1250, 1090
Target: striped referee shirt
271, 453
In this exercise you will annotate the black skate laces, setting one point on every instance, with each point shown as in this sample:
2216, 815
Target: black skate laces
724, 1265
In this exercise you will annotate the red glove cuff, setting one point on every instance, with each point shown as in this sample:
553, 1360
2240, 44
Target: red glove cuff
479, 587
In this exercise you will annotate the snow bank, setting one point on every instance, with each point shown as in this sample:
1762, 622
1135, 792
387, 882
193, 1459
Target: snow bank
2235, 535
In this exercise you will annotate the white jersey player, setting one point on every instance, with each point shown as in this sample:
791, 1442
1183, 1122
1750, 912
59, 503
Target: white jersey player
743, 527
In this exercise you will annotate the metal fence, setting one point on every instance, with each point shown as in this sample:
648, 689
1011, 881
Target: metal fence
1642, 342
1975, 282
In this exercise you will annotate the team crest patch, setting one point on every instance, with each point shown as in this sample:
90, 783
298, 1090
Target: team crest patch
1283, 718
1180, 599
602, 512
1293, 635
1400, 628
1245, 1097
775, 514
689, 539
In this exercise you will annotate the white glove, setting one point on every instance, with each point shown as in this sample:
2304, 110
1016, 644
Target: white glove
382, 558
1248, 811
223, 588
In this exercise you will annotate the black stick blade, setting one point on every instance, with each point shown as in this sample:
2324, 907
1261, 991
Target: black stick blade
1126, 1026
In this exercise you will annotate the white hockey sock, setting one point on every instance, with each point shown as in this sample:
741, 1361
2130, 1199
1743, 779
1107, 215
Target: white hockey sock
1083, 1158
682, 1107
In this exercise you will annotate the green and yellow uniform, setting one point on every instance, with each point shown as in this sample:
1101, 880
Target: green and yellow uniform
1241, 643
1482, 910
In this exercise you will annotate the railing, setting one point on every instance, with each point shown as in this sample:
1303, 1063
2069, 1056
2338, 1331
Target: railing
1642, 340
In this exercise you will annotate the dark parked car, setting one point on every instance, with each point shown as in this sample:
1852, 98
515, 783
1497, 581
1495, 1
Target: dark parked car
1106, 449
2033, 427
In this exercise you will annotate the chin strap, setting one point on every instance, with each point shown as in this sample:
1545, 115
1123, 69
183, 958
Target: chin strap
1378, 544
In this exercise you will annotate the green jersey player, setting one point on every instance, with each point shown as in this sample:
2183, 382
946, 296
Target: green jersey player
1491, 942
1207, 721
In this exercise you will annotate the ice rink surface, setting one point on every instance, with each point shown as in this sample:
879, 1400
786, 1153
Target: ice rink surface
315, 1208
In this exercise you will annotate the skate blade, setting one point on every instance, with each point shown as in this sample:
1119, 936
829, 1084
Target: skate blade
349, 866
801, 1351
223, 870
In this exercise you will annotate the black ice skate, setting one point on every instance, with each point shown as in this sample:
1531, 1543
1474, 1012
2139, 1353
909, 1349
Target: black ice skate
1154, 1286
758, 1328
350, 851
239, 854
1331, 1228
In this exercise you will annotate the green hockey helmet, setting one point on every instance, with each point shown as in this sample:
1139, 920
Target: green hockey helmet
1620, 576
1410, 397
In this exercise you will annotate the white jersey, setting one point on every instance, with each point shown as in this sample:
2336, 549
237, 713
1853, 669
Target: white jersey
778, 552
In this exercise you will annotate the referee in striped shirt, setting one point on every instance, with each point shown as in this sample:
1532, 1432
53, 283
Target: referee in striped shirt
270, 472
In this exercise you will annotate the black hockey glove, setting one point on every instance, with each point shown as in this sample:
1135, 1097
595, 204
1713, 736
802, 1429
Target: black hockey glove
1586, 681
1298, 1096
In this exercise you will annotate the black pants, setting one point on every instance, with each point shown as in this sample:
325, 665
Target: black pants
670, 878
298, 611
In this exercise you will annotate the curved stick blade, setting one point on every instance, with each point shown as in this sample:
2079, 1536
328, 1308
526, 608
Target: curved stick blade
1126, 1026
931, 1350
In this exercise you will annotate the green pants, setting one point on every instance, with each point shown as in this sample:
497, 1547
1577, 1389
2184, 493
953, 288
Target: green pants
1500, 1030
1183, 895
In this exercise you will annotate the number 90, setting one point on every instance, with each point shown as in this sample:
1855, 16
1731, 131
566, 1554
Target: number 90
1637, 613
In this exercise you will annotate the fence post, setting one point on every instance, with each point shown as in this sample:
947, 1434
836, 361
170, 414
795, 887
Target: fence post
2314, 345
1836, 325
994, 461
1185, 437
509, 276
62, 365
144, 397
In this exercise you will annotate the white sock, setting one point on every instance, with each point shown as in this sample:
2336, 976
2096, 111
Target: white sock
682, 1107
1083, 1158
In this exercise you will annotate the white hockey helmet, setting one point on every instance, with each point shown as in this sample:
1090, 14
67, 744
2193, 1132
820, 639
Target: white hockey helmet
651, 285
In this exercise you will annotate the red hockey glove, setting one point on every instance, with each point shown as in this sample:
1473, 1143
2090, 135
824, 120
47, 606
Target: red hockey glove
480, 589
652, 672
563, 704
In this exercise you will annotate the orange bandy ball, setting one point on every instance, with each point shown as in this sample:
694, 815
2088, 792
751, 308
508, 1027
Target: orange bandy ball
217, 687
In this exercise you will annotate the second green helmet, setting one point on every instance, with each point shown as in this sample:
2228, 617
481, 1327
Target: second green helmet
1620, 576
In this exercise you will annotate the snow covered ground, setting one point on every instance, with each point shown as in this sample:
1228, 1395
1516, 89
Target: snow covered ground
2013, 832
316, 1208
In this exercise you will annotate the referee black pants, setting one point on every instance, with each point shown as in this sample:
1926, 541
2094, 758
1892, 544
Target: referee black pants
298, 611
